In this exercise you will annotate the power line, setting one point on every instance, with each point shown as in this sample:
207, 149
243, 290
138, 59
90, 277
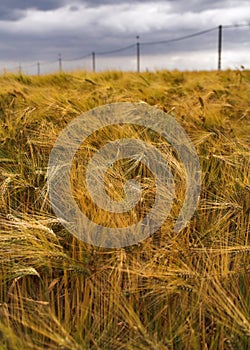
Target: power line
138, 53
116, 50
93, 61
220, 27
219, 46
179, 38
137, 46
236, 25
77, 58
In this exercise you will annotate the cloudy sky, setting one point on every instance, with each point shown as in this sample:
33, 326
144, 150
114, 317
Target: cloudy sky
40, 30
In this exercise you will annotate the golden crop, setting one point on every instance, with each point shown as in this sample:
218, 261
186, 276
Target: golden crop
172, 291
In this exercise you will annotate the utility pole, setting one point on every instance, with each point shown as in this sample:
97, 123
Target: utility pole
138, 53
219, 46
38, 68
60, 62
93, 61
20, 68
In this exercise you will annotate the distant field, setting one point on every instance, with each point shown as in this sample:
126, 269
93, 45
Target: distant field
189, 290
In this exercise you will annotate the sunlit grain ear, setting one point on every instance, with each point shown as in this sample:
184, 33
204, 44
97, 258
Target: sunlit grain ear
171, 291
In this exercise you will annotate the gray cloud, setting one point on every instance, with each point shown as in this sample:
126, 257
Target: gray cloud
14, 9
39, 30
10, 15
9, 6
25, 4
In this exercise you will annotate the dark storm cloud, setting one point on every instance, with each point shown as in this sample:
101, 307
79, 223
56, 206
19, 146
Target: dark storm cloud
9, 15
114, 2
14, 9
178, 5
25, 4
7, 7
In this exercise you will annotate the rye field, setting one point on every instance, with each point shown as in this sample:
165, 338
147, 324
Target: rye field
177, 291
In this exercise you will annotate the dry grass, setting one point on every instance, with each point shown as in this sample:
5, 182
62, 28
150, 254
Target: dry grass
184, 291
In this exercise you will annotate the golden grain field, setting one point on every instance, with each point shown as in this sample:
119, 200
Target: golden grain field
182, 291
